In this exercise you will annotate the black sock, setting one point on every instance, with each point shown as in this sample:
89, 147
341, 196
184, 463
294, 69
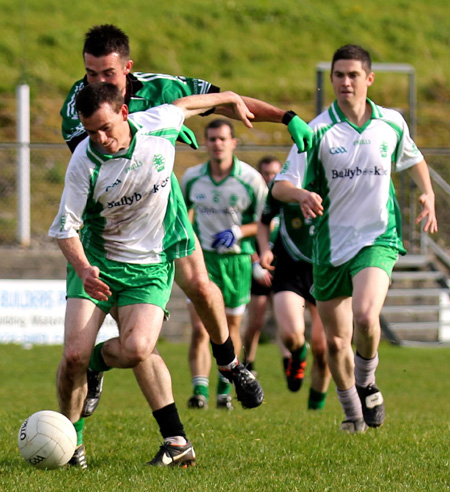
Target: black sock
224, 353
169, 421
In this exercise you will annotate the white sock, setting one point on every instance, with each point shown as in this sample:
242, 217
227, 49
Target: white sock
351, 403
365, 370
200, 381
177, 440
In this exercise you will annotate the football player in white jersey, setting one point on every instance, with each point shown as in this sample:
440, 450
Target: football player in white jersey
347, 187
112, 229
226, 197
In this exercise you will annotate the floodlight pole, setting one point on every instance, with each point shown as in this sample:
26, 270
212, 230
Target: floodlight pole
23, 164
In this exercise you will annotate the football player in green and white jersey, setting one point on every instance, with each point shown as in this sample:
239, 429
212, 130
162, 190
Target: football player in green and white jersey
106, 56
347, 186
117, 193
291, 287
226, 197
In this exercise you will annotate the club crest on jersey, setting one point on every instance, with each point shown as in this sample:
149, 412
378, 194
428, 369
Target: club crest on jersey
296, 223
159, 162
233, 200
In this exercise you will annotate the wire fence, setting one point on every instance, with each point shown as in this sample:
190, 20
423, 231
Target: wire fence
49, 163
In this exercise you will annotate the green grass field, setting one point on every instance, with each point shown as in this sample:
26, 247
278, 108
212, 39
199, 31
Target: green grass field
278, 447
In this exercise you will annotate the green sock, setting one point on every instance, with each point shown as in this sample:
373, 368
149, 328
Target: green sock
97, 363
303, 352
200, 389
223, 386
316, 400
79, 425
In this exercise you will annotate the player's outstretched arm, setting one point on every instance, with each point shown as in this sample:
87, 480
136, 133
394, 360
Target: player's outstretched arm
421, 177
300, 131
197, 104
310, 202
73, 251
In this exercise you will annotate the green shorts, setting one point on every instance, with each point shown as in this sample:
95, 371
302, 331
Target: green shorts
130, 283
331, 282
233, 275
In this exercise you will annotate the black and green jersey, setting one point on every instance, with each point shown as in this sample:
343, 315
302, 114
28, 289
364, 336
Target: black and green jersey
144, 91
295, 232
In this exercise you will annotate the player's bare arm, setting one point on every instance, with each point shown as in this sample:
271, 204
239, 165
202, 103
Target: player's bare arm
300, 132
73, 251
197, 104
265, 253
421, 177
310, 202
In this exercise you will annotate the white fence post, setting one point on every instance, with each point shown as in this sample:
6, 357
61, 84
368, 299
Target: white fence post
23, 164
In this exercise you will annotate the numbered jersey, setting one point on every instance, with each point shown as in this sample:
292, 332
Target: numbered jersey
124, 204
350, 168
236, 200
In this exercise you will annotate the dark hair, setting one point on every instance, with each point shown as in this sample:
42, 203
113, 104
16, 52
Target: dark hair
92, 96
218, 123
267, 159
106, 39
353, 52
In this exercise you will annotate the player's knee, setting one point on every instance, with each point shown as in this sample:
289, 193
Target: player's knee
335, 345
75, 362
198, 290
366, 321
135, 354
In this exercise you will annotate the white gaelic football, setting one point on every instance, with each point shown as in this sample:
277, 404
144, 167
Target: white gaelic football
47, 439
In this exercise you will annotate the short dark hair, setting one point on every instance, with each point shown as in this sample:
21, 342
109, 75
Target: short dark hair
218, 123
106, 39
267, 159
353, 52
92, 96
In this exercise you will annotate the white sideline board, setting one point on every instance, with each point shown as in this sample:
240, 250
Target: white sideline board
32, 312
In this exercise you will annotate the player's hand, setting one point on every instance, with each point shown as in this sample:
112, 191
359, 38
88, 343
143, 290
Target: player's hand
227, 238
428, 213
187, 136
261, 275
266, 260
300, 131
93, 286
310, 204
240, 111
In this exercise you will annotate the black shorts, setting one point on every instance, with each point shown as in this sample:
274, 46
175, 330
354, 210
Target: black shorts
259, 290
294, 276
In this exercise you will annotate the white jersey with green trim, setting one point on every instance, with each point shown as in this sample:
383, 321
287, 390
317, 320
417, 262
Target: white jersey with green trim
236, 200
122, 202
350, 168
